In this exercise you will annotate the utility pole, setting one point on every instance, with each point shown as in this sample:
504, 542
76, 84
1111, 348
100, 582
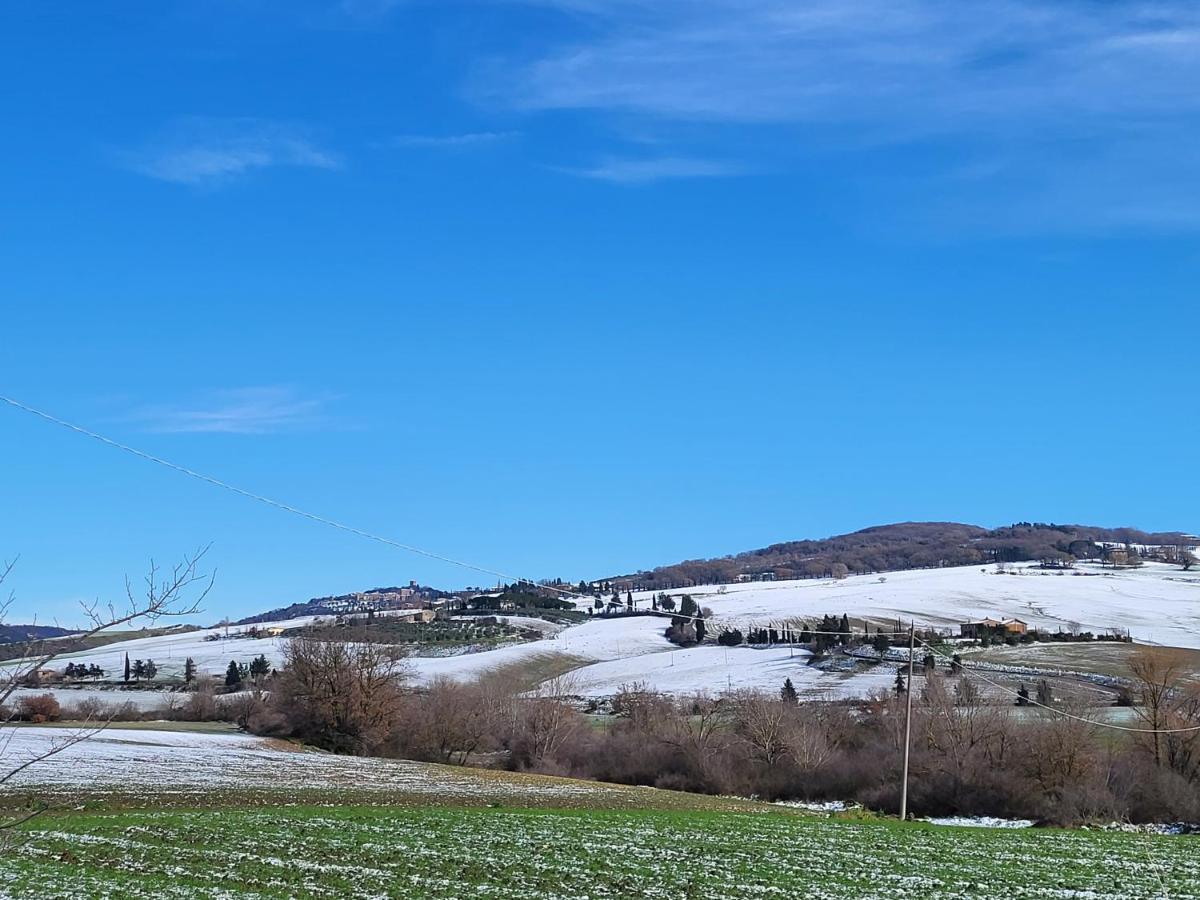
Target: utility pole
912, 639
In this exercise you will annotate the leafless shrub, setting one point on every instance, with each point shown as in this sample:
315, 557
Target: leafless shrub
39, 708
344, 697
200, 706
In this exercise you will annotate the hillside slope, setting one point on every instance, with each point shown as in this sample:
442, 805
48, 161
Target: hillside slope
905, 545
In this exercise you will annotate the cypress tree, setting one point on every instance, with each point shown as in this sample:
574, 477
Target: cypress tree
788, 692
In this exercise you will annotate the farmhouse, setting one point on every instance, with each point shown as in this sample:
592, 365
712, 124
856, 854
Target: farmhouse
418, 616
991, 627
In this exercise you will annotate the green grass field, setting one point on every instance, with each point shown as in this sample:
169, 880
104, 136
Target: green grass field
445, 853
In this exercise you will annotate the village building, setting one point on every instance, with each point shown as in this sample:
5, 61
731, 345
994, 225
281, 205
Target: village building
991, 627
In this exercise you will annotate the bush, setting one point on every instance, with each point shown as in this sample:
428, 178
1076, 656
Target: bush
39, 708
200, 706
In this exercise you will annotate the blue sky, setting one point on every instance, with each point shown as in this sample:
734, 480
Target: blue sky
571, 287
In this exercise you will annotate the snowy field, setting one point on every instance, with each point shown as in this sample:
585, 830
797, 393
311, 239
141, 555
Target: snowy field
211, 648
123, 761
1157, 603
110, 697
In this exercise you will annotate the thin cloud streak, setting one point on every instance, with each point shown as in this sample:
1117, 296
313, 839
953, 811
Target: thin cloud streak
644, 171
249, 410
451, 141
211, 152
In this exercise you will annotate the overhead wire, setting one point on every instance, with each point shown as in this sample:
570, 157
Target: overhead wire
429, 554
277, 504
1059, 712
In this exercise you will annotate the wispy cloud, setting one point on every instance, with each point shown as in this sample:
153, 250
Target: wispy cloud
1039, 84
451, 141
910, 61
211, 152
249, 410
643, 171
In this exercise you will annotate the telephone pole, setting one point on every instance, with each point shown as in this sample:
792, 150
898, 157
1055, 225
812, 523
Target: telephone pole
912, 639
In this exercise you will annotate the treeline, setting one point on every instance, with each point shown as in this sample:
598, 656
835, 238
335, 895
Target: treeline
909, 545
969, 757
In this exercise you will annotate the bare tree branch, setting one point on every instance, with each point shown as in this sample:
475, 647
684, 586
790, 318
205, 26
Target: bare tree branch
167, 594
164, 597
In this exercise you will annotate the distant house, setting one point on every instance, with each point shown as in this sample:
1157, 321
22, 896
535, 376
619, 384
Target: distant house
755, 576
274, 631
976, 630
418, 616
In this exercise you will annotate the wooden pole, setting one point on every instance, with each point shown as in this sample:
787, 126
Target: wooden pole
907, 723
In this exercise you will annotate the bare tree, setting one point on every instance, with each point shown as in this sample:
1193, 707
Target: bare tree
544, 720
1159, 674
166, 593
764, 724
454, 719
962, 735
1060, 751
343, 697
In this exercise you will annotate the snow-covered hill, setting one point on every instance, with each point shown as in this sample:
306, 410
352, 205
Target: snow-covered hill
1157, 603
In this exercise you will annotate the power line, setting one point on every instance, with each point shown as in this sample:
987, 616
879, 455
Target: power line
349, 529
277, 504
1063, 713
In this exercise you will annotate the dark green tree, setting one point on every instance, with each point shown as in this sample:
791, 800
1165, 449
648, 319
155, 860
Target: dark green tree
149, 670
233, 675
189, 670
788, 692
127, 669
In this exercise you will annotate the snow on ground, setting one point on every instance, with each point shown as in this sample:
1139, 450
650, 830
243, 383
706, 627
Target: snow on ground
598, 640
716, 670
979, 822
1158, 603
211, 648
123, 760
109, 696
